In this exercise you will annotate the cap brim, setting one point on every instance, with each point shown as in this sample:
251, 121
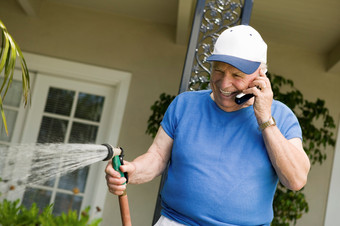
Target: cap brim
246, 66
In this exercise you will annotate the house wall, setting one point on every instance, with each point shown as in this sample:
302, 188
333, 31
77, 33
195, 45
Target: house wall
149, 52
307, 70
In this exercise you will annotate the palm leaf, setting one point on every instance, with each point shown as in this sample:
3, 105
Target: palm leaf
8, 55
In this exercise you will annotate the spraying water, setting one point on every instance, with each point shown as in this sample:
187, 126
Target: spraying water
28, 164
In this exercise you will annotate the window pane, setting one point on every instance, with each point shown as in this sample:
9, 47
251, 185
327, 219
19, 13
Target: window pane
11, 117
14, 93
40, 197
89, 107
59, 101
82, 133
50, 182
74, 180
52, 130
65, 202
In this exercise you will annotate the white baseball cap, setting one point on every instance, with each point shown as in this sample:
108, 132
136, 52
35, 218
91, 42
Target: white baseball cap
242, 47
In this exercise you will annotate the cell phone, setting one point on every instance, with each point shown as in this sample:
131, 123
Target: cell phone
241, 98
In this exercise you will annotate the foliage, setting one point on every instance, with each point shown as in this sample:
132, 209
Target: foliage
316, 125
9, 51
314, 118
288, 206
158, 111
11, 213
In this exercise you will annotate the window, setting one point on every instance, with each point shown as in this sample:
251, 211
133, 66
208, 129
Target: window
69, 116
71, 103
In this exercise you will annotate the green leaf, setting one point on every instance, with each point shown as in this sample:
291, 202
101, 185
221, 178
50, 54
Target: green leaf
158, 110
8, 53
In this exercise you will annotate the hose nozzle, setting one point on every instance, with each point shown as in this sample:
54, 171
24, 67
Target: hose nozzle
111, 151
116, 154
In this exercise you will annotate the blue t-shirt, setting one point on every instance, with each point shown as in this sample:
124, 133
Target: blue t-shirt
220, 172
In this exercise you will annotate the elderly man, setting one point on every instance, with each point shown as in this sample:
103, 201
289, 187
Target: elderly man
225, 157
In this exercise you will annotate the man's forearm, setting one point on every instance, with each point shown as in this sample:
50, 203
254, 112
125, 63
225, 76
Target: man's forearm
288, 158
154, 161
147, 167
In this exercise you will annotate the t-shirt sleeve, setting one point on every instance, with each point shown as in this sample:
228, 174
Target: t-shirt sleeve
169, 121
287, 122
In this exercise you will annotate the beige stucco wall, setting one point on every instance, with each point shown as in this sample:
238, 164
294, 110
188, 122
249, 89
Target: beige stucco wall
307, 71
149, 52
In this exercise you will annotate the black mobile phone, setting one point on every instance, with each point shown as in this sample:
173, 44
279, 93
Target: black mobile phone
241, 98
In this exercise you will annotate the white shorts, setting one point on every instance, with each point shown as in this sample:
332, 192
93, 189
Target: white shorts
164, 221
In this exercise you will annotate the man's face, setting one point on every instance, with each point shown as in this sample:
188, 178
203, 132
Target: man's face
226, 82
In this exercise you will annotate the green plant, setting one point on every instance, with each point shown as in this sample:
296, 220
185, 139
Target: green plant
288, 205
158, 111
9, 51
11, 213
317, 130
71, 218
14, 214
316, 122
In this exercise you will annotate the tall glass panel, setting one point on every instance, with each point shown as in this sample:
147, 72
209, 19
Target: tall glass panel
70, 117
11, 105
53, 129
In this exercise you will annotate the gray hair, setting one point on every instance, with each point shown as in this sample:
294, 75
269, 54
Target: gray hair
264, 67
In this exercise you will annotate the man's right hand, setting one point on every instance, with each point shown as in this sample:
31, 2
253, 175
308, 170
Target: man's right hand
115, 183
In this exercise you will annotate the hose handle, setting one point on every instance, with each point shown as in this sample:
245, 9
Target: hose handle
117, 161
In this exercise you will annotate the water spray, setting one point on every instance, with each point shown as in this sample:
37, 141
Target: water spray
117, 155
41, 162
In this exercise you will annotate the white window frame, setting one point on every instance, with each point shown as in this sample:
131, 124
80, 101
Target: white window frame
104, 76
333, 203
